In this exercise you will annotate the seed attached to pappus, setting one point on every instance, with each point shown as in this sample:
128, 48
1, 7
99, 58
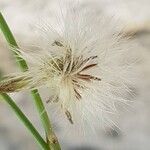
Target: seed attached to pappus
81, 62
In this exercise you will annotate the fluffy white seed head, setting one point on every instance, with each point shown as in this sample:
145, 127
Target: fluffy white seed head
84, 62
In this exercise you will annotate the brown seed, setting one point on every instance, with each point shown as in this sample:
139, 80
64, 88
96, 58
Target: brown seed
68, 114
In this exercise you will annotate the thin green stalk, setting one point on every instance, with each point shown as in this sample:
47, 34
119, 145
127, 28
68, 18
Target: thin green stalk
12, 42
50, 136
25, 121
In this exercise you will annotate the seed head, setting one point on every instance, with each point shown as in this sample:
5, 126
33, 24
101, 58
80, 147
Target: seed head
81, 58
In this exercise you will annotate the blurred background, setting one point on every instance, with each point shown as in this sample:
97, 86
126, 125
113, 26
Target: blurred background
133, 131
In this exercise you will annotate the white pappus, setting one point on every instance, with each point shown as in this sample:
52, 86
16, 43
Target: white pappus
83, 60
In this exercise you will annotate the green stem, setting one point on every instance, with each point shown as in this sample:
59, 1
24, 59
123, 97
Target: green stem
25, 121
12, 42
50, 136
